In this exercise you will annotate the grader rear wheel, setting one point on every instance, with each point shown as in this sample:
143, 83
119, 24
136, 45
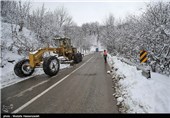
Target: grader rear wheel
51, 66
80, 57
76, 58
22, 68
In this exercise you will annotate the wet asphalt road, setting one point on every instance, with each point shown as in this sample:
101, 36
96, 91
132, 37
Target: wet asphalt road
83, 88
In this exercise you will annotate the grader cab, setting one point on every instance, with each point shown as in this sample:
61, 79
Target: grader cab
50, 64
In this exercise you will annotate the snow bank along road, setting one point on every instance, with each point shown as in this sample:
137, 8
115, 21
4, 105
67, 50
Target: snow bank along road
84, 88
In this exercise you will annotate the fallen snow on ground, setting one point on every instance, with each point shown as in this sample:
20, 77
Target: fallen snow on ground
135, 93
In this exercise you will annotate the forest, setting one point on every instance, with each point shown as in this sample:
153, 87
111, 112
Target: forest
148, 31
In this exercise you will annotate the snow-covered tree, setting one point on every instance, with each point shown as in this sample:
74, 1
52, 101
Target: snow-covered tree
150, 32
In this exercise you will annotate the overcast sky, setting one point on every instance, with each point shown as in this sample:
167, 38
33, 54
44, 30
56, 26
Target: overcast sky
84, 11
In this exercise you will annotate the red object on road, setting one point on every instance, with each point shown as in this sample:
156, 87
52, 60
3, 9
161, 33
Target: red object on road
105, 56
105, 52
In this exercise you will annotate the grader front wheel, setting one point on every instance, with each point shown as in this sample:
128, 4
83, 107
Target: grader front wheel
22, 68
51, 66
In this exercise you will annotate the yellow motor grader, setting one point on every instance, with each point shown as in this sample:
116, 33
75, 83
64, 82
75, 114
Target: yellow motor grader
50, 64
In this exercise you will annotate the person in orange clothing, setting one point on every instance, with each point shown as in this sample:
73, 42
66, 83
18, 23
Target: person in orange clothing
105, 56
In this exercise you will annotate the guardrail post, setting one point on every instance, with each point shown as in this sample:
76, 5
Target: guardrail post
146, 73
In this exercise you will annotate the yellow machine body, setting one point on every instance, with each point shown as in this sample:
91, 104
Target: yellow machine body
65, 49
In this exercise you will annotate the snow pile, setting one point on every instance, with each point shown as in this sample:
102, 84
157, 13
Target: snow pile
135, 93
